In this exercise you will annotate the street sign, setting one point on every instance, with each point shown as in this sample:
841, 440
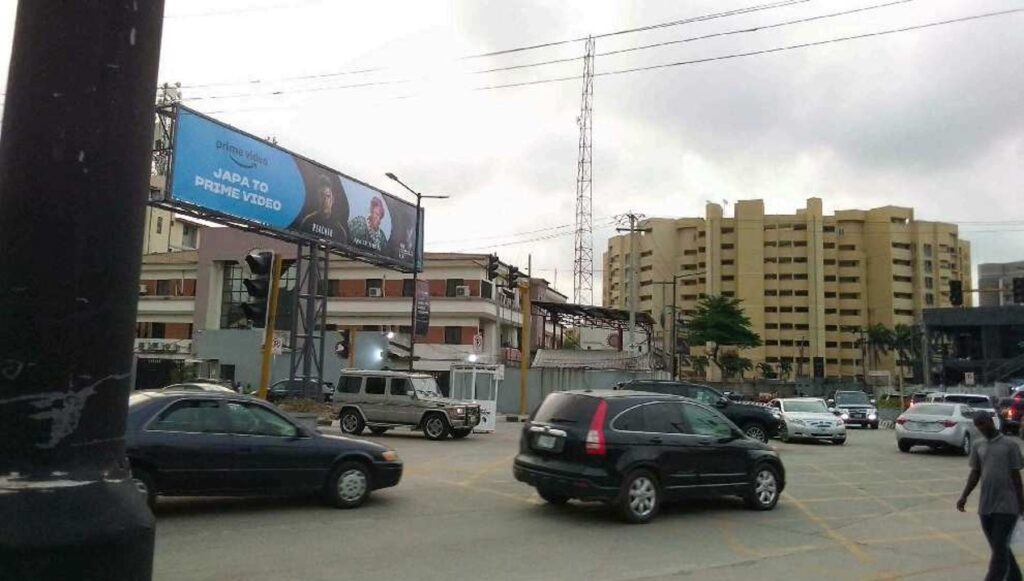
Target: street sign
968, 378
478, 343
278, 346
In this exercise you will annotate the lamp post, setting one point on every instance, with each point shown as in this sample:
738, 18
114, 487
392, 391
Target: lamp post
676, 277
416, 264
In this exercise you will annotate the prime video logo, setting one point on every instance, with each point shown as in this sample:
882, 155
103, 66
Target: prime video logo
246, 158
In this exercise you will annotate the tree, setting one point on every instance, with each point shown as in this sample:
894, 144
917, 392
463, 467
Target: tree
721, 321
785, 369
732, 365
879, 341
699, 363
571, 340
766, 369
906, 341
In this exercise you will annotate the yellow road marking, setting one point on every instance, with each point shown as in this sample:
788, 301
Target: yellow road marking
851, 547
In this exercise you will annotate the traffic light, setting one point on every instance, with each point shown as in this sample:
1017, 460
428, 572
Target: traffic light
492, 266
261, 267
342, 348
1018, 291
956, 293
513, 276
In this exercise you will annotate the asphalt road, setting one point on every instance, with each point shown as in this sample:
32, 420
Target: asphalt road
860, 511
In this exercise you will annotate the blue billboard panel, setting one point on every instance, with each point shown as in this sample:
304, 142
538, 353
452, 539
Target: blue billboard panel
219, 169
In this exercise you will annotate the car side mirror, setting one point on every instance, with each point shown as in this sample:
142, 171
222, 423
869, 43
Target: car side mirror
412, 395
722, 402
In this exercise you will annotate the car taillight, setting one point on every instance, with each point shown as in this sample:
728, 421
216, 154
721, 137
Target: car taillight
595, 435
949, 423
901, 420
1009, 413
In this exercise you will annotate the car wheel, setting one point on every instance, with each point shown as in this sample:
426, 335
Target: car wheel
435, 427
351, 422
874, 426
904, 446
552, 498
965, 445
377, 431
461, 433
146, 484
756, 431
763, 493
349, 485
839, 441
639, 499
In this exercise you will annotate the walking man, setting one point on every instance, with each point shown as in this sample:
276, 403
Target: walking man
996, 464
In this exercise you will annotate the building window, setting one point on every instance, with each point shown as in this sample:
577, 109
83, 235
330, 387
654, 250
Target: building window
799, 243
771, 325
929, 300
902, 279
928, 250
728, 246
829, 246
785, 309
486, 289
690, 252
903, 296
832, 328
771, 293
829, 262
159, 224
800, 293
830, 295
800, 260
831, 345
232, 298
802, 327
849, 313
727, 230
849, 263
801, 309
771, 243
786, 343
901, 246
728, 277
830, 278
728, 294
928, 266
728, 262
786, 326
899, 262
452, 335
830, 311
848, 345
374, 283
799, 276
904, 312
452, 284
785, 293
849, 279
771, 276
849, 296
771, 309
163, 288
847, 247
828, 228
929, 282
646, 253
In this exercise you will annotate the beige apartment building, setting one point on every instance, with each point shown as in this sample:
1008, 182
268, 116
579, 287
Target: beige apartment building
809, 282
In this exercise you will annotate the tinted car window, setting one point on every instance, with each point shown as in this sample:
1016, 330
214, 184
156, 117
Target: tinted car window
350, 384
666, 388
399, 386
664, 418
932, 410
191, 416
375, 385
252, 419
631, 420
705, 395
706, 422
566, 408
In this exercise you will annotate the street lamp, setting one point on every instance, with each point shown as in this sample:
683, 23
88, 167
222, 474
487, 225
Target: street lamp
415, 264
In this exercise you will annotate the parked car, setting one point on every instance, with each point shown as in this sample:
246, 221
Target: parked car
382, 400
855, 408
981, 403
294, 389
936, 425
809, 418
205, 443
636, 450
198, 386
757, 420
1010, 411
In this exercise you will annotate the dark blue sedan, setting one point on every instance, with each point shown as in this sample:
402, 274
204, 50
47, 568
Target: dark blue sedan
226, 444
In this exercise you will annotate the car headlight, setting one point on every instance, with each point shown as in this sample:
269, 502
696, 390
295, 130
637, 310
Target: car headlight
844, 416
873, 415
389, 456
460, 411
776, 415
840, 423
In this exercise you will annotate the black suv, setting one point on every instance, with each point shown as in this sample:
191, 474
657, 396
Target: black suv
757, 421
856, 408
636, 450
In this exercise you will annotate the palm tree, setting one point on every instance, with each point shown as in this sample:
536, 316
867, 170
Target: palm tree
766, 369
879, 341
906, 341
785, 369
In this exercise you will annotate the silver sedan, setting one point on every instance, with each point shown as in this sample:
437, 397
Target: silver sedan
936, 425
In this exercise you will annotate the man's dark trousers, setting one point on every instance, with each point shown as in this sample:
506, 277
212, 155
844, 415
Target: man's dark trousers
998, 530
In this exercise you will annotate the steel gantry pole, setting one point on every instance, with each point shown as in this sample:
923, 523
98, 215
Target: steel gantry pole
75, 162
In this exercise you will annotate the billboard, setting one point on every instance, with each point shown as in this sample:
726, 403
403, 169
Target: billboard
219, 170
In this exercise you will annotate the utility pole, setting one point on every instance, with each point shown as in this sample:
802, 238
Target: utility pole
268, 333
75, 163
634, 270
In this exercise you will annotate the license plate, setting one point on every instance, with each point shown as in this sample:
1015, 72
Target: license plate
545, 442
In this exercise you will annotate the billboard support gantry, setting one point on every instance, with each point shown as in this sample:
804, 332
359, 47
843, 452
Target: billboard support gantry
219, 173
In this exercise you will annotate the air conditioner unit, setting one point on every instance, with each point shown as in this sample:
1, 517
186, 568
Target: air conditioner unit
376, 292
170, 347
462, 291
154, 346
142, 289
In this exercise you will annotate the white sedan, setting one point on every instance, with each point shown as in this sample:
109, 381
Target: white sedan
810, 418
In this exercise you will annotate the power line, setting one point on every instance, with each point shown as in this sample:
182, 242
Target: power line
701, 18
760, 52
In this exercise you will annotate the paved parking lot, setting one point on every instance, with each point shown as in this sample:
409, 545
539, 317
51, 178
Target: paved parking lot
860, 511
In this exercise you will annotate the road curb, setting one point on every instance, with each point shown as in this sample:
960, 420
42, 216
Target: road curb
887, 424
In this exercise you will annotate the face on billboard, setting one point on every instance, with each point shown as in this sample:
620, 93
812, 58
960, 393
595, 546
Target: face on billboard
221, 170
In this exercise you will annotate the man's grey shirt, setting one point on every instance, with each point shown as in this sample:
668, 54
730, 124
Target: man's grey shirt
996, 458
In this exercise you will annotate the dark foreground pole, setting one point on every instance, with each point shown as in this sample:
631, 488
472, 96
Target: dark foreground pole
75, 153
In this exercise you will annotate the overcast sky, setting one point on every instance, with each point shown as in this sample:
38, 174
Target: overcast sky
932, 119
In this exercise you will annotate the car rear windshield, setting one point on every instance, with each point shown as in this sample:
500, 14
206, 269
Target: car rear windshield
932, 410
565, 408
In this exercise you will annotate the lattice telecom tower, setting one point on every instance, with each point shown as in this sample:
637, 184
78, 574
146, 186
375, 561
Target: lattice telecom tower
583, 264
